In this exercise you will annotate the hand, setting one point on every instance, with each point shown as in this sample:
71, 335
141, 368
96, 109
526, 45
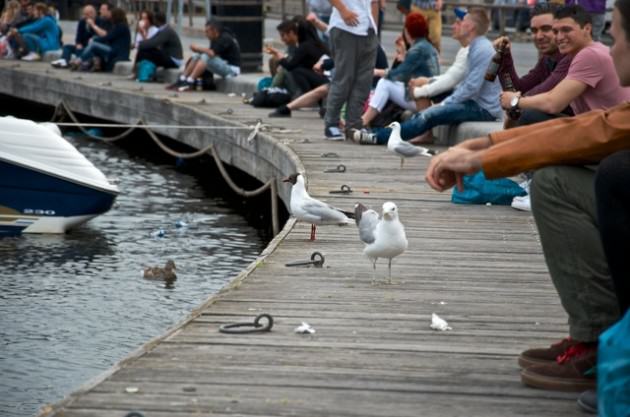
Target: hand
419, 81
195, 48
318, 68
89, 21
502, 41
311, 17
446, 169
349, 17
506, 99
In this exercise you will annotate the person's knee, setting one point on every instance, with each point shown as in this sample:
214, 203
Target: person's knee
545, 186
612, 173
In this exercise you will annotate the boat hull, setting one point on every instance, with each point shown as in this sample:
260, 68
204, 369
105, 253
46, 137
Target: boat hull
32, 201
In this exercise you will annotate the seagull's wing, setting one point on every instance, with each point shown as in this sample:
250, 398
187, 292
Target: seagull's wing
366, 220
323, 212
407, 149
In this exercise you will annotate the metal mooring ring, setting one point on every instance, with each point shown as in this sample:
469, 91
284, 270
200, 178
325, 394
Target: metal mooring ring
255, 327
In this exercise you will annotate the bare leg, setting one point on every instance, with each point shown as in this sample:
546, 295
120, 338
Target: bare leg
189, 68
369, 115
309, 99
198, 69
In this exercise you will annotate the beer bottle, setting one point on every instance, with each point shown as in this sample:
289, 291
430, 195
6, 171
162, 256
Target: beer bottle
495, 64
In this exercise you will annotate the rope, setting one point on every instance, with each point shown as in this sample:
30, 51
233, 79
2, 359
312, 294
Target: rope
271, 184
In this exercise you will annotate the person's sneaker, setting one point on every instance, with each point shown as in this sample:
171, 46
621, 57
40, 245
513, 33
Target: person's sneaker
588, 401
522, 203
333, 133
59, 63
362, 137
541, 356
574, 370
31, 56
186, 87
176, 84
282, 111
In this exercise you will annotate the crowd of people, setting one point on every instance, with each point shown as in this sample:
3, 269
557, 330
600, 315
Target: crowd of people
570, 109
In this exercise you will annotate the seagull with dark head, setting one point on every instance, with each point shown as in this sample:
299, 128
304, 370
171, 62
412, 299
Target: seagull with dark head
310, 210
404, 149
384, 236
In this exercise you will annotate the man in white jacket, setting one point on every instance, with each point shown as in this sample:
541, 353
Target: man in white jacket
425, 90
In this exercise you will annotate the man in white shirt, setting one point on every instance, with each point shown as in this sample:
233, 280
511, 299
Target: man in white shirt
423, 88
354, 43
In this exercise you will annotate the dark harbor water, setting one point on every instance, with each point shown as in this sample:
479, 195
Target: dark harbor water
72, 305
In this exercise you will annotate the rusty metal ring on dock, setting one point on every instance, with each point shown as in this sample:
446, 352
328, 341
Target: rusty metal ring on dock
329, 155
255, 327
345, 189
338, 168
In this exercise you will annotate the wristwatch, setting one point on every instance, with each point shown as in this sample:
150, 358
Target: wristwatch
514, 102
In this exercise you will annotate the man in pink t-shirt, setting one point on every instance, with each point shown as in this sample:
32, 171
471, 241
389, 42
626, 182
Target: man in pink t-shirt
591, 82
593, 68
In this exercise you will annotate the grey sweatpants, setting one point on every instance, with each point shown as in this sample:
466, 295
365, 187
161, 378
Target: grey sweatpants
563, 203
354, 57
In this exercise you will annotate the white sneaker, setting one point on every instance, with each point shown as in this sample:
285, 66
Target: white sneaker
522, 203
31, 56
59, 63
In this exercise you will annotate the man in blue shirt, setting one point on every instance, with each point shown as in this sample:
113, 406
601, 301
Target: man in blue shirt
474, 99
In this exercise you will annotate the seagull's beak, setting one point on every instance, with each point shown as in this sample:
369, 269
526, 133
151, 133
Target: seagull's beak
387, 215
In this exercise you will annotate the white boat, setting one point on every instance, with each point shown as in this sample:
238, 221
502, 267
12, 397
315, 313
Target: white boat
46, 184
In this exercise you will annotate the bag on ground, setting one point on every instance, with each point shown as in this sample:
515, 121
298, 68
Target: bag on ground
479, 190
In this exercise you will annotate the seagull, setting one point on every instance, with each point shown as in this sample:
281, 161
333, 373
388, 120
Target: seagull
384, 237
309, 210
404, 149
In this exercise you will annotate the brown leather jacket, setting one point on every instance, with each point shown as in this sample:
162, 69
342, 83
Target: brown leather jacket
584, 139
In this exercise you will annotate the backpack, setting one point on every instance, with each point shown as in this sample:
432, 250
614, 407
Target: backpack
146, 71
270, 97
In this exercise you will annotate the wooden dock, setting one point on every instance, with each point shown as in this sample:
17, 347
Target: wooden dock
373, 353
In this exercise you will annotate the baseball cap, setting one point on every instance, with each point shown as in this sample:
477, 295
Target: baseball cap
460, 12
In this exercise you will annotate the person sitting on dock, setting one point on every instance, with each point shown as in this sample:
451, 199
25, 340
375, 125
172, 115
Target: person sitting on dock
420, 60
591, 82
588, 282
550, 69
474, 99
299, 65
41, 35
288, 35
223, 58
105, 51
164, 49
81, 40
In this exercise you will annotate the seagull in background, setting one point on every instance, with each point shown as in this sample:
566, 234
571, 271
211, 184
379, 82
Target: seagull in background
383, 236
404, 149
310, 210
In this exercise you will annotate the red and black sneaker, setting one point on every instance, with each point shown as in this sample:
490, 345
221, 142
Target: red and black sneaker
541, 356
574, 370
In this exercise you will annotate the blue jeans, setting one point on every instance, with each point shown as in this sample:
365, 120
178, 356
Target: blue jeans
216, 65
95, 48
448, 114
69, 50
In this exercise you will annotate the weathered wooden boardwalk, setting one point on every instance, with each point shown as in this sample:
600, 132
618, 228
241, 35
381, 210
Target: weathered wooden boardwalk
373, 353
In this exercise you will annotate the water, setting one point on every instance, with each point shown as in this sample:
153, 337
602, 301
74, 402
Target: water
72, 305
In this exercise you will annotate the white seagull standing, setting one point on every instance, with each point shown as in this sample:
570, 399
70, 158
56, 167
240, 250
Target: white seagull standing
309, 210
384, 237
404, 149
